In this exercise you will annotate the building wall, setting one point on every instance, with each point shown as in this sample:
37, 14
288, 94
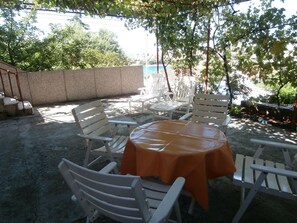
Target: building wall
71, 85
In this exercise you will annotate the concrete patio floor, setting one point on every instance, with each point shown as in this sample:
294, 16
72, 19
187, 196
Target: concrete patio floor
32, 189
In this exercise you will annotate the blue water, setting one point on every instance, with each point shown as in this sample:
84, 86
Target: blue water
151, 69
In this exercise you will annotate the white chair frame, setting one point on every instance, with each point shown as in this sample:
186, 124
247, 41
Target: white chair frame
181, 97
153, 90
94, 125
123, 198
264, 175
210, 109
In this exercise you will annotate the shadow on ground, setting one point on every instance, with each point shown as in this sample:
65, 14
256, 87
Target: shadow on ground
32, 189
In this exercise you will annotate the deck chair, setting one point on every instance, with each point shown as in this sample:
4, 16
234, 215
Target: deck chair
258, 175
154, 89
181, 97
123, 198
94, 126
210, 109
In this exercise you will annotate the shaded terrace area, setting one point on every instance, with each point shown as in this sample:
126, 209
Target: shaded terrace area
33, 190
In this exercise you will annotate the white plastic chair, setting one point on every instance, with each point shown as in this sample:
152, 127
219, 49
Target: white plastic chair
94, 125
210, 109
181, 97
258, 175
154, 89
123, 198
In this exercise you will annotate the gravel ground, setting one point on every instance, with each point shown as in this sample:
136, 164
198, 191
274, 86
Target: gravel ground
32, 189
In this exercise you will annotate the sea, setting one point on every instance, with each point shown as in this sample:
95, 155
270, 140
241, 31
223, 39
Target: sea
151, 69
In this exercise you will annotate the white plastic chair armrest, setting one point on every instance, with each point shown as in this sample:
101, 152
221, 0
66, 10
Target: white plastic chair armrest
277, 171
100, 138
108, 168
278, 145
122, 122
186, 116
168, 201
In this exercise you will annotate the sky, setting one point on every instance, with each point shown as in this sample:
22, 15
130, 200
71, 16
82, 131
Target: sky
137, 42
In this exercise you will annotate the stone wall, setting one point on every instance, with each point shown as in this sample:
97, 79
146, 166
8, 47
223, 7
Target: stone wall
71, 85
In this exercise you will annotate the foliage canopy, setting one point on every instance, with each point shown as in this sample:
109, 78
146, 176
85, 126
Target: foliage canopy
69, 47
209, 34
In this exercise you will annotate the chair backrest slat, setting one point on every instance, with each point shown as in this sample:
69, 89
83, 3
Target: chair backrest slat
284, 184
96, 129
88, 173
87, 106
208, 108
109, 200
271, 179
248, 172
118, 213
91, 118
104, 187
89, 112
208, 120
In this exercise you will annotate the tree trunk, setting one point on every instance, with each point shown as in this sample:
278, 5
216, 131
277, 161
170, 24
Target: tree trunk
294, 115
157, 39
165, 70
227, 77
207, 58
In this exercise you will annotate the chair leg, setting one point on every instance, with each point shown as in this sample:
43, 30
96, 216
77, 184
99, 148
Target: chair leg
170, 114
88, 146
142, 105
177, 212
191, 208
242, 195
249, 198
111, 158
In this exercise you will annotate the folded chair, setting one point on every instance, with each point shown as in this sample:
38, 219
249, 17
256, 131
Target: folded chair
94, 125
258, 175
210, 109
154, 89
123, 198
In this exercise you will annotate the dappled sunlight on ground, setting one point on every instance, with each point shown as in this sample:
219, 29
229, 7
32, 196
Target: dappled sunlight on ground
58, 113
263, 130
32, 147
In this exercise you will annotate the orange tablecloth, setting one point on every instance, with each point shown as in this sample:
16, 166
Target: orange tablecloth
174, 148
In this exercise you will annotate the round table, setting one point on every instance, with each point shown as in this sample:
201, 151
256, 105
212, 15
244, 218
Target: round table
172, 148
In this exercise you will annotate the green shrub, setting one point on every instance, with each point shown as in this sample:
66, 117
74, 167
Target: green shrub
234, 109
286, 96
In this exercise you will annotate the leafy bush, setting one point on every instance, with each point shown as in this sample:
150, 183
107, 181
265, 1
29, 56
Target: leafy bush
234, 109
286, 96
